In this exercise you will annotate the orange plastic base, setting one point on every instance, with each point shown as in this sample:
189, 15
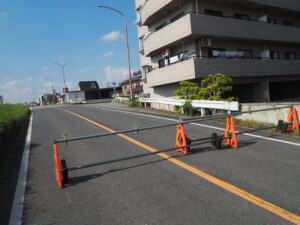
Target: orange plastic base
230, 135
181, 140
57, 167
293, 120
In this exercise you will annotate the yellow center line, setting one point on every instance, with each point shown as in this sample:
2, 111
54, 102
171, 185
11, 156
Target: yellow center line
229, 187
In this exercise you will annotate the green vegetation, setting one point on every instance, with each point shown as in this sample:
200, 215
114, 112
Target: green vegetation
134, 102
188, 109
188, 91
214, 87
12, 114
248, 123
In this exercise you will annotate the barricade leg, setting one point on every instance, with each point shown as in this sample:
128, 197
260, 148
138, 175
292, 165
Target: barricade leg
230, 134
57, 166
181, 140
293, 120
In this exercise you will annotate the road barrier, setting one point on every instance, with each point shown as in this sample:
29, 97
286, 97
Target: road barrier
182, 142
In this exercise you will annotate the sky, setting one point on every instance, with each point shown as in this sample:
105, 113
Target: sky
36, 33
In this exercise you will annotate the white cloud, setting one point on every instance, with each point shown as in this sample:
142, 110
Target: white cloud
13, 84
15, 92
112, 36
87, 69
108, 54
3, 14
115, 74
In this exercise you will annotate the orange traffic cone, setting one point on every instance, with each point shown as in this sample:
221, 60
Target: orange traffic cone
230, 135
293, 120
57, 166
181, 140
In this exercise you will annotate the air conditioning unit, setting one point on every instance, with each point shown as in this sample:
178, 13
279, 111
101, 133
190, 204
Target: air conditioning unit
166, 52
205, 42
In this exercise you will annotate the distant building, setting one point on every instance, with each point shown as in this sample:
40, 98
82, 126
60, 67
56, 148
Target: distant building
1, 99
91, 89
137, 86
47, 99
255, 42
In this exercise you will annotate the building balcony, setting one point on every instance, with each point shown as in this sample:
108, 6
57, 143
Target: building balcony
177, 72
193, 68
155, 9
200, 25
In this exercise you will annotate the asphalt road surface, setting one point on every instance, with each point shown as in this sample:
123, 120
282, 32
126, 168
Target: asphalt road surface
259, 183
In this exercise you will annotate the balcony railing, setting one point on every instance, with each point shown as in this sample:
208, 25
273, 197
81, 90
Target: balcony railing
168, 61
193, 67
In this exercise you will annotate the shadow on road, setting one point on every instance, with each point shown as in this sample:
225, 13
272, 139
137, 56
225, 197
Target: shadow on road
82, 179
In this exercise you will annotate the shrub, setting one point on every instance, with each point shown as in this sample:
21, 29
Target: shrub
134, 102
188, 109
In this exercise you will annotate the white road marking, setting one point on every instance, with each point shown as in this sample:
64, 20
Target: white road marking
18, 204
202, 125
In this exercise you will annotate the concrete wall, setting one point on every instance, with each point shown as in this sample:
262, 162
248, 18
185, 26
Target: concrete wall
271, 116
78, 96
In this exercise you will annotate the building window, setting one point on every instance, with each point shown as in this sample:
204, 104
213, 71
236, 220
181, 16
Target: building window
241, 16
216, 53
271, 20
288, 23
163, 63
161, 26
145, 71
141, 44
290, 55
213, 12
245, 53
177, 17
274, 54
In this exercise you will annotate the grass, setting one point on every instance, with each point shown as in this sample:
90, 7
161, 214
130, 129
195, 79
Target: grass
10, 114
247, 123
256, 125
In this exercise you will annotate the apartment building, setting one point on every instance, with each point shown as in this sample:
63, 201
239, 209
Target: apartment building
255, 42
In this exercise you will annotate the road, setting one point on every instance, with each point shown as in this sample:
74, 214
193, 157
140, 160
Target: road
208, 186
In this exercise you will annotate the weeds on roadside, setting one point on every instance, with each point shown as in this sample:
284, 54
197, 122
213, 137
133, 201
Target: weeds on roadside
11, 113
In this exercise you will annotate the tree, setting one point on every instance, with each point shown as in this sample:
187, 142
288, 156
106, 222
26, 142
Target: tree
188, 91
215, 86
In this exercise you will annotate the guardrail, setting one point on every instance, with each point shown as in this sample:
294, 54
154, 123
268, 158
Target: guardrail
203, 104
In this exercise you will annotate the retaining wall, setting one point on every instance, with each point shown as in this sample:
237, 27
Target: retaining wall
271, 116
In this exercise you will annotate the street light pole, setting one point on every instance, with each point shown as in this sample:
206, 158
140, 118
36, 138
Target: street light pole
62, 67
127, 45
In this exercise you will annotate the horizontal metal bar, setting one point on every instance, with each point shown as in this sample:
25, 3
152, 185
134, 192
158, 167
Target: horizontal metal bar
254, 130
249, 111
165, 125
201, 139
130, 157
